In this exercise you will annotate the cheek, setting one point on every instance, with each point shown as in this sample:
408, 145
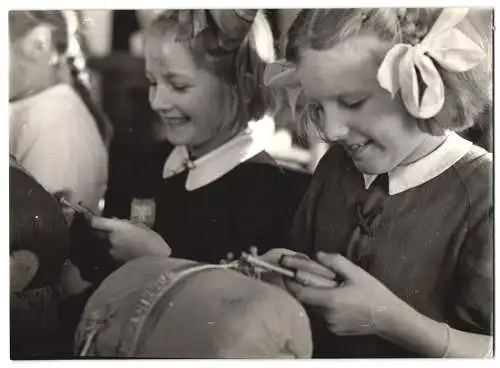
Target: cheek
387, 119
215, 106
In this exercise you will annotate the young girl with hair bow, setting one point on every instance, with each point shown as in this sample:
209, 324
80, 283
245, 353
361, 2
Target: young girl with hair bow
217, 191
400, 210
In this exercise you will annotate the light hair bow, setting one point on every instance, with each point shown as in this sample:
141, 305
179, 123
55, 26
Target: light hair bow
282, 74
229, 26
445, 45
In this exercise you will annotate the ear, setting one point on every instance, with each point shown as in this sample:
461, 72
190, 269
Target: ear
37, 44
23, 267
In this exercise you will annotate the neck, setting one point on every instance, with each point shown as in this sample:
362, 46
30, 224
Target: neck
220, 139
430, 144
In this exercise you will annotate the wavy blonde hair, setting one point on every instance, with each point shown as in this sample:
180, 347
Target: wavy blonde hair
242, 69
467, 94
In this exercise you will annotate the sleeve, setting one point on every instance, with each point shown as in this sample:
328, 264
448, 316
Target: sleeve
301, 238
474, 302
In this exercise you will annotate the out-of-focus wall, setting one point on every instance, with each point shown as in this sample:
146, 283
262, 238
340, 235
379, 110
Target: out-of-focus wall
97, 28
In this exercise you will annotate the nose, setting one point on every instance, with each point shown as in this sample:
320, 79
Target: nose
335, 124
160, 98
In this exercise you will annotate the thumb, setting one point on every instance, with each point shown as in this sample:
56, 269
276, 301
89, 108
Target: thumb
347, 270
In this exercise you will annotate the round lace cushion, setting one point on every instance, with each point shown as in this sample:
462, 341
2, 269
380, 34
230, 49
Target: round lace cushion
217, 313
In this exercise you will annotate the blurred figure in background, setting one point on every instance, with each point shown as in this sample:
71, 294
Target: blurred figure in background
38, 246
56, 132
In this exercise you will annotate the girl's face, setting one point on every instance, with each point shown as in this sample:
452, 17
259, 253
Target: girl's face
191, 102
375, 129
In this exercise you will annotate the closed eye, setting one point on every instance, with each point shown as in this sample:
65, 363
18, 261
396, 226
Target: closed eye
352, 103
179, 87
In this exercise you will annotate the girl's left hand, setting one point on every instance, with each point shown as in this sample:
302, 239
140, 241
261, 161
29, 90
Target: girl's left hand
361, 305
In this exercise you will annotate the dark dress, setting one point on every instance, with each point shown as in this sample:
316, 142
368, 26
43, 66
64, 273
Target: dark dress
252, 205
433, 246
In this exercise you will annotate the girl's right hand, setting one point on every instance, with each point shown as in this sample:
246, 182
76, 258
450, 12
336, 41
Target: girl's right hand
130, 240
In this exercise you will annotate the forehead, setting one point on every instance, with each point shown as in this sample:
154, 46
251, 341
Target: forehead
162, 51
347, 67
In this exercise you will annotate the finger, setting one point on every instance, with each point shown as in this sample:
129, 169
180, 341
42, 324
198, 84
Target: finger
274, 255
301, 264
105, 224
341, 265
317, 297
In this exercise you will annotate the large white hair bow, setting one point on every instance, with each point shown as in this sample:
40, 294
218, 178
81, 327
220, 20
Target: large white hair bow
447, 46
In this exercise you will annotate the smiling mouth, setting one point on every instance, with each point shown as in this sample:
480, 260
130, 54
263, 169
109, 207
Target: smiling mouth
175, 121
357, 148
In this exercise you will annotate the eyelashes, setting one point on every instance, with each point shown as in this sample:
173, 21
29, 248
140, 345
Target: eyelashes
353, 105
315, 113
176, 88
179, 88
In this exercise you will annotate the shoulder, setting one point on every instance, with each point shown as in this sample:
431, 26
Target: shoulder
477, 161
60, 105
475, 171
263, 170
264, 182
260, 168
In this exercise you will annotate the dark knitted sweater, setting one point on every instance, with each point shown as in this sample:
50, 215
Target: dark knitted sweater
433, 247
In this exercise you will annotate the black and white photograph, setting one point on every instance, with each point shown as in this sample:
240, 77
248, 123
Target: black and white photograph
251, 183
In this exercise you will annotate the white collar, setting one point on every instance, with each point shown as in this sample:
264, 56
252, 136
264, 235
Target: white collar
441, 159
213, 165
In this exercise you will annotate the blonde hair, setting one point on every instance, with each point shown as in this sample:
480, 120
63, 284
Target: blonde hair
466, 94
241, 69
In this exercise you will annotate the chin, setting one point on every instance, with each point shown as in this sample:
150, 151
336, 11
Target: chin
178, 141
369, 168
178, 137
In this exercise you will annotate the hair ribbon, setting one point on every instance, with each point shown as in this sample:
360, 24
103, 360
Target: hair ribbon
229, 26
444, 44
282, 74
